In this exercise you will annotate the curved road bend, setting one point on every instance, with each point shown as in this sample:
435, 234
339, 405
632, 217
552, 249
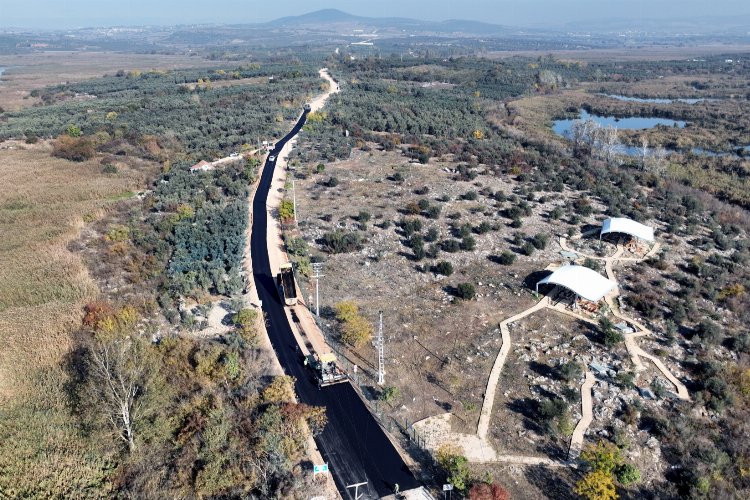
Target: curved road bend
352, 443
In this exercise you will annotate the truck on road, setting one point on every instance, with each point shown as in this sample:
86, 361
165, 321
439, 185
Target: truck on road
286, 284
326, 369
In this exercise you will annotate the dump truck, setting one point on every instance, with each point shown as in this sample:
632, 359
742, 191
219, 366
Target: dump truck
326, 369
286, 285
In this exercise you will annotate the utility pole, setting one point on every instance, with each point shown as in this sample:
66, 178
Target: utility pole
294, 199
379, 344
317, 274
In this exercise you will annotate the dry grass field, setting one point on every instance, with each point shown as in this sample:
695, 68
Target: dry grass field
44, 203
26, 72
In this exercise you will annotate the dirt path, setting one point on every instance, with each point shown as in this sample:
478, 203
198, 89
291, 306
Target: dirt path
477, 448
497, 367
587, 415
634, 350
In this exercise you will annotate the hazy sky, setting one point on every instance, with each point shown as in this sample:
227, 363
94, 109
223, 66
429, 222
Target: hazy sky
83, 13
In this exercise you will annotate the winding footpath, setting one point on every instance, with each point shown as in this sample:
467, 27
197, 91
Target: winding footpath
477, 447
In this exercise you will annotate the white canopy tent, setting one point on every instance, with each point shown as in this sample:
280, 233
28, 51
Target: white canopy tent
585, 282
627, 226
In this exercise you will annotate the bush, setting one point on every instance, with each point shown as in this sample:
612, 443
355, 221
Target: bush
73, 148
443, 267
109, 169
341, 242
610, 335
454, 466
468, 243
596, 485
432, 234
465, 291
528, 249
592, 264
411, 226
709, 332
389, 394
570, 371
470, 195
540, 241
485, 491
320, 168
354, 328
506, 258
332, 182
628, 474
451, 246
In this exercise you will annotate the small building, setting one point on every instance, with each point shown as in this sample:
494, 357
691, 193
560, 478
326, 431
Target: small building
582, 281
629, 227
203, 166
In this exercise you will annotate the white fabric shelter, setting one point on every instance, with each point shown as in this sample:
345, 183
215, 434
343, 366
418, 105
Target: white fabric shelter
585, 282
627, 226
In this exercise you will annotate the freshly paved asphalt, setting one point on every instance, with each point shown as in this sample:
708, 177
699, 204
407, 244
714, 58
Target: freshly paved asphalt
352, 443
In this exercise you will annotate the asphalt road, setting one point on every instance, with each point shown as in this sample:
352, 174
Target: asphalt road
352, 443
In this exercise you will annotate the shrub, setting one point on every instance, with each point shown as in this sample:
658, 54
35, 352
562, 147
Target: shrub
109, 169
73, 148
470, 195
592, 264
506, 258
709, 332
465, 291
527, 249
454, 466
433, 212
411, 226
443, 267
485, 491
341, 242
540, 241
332, 182
451, 246
596, 485
628, 474
468, 243
320, 168
389, 394
354, 328
286, 210
432, 234
610, 335
570, 371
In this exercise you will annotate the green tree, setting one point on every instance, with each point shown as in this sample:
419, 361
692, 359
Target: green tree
465, 291
286, 210
454, 466
389, 394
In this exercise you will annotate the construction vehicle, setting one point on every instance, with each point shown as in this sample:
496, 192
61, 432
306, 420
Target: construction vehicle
286, 284
326, 369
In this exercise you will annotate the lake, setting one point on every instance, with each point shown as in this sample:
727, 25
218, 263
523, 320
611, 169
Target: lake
562, 127
654, 100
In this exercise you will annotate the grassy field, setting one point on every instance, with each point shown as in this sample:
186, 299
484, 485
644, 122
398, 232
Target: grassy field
44, 202
26, 72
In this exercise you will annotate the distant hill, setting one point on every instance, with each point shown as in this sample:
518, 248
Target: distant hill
333, 17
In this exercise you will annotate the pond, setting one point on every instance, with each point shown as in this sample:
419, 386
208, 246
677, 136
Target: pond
654, 100
562, 127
